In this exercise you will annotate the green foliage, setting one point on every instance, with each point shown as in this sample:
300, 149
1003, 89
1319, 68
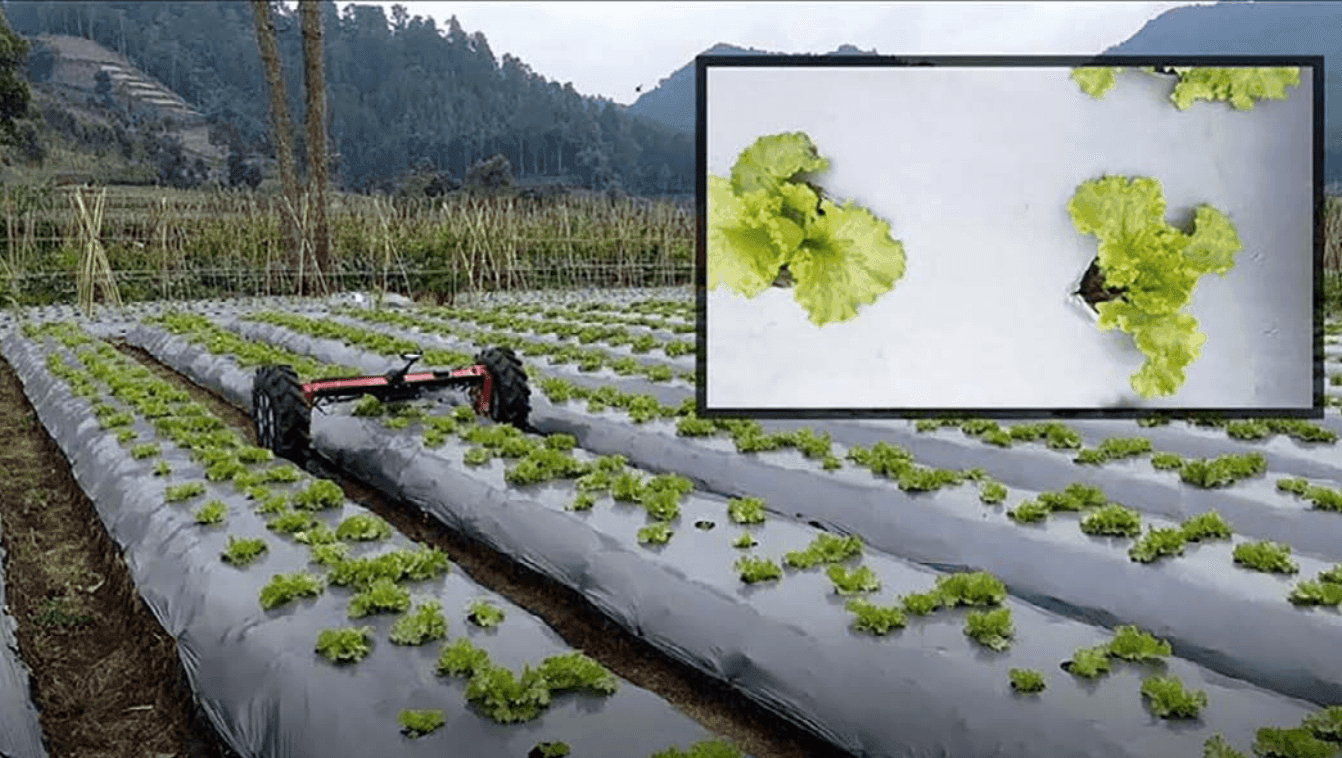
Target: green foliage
1157, 543
1326, 724
969, 588
655, 534
992, 629
283, 588
461, 658
745, 541
346, 645
383, 596
1158, 268
146, 450
855, 582
1167, 461
754, 569
825, 548
506, 698
1270, 742
763, 218
179, 492
329, 554
992, 492
922, 603
1216, 746
1223, 471
875, 619
1169, 699
1095, 80
212, 512
1238, 86
1112, 520
1027, 680
746, 510
1029, 512
1206, 526
1089, 662
419, 723
484, 614
291, 522
320, 495
1132, 644
705, 749
551, 749
363, 527
1266, 556
424, 624
575, 671
162, 468
241, 551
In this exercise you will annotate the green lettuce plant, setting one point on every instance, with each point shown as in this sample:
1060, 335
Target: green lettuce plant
766, 219
755, 569
346, 645
1026, 680
1266, 556
483, 613
992, 629
424, 624
241, 551
384, 596
1155, 267
860, 580
876, 619
1169, 700
284, 588
419, 723
1239, 86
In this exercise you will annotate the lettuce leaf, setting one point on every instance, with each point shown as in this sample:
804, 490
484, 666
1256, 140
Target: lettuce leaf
765, 217
847, 259
1158, 265
1239, 86
1095, 80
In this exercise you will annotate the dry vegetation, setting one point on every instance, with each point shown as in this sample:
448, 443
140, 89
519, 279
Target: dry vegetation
183, 244
176, 244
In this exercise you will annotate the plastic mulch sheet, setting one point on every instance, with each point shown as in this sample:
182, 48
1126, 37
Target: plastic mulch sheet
20, 730
256, 671
1199, 600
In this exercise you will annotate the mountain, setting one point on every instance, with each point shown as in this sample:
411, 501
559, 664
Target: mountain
671, 102
1257, 28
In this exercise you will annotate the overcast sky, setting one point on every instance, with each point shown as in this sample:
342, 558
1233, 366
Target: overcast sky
609, 48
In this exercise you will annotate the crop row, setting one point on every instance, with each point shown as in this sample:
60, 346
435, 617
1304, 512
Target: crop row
675, 325
137, 401
548, 462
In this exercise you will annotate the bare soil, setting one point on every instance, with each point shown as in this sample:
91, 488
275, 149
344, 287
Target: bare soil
105, 675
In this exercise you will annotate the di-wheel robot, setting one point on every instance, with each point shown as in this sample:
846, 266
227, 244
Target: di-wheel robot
282, 404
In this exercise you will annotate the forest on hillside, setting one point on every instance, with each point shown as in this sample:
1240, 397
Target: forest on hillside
403, 94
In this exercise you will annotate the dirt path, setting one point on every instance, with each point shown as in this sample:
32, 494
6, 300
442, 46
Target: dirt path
568, 613
105, 675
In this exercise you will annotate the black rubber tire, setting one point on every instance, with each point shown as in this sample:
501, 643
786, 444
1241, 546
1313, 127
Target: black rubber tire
281, 415
510, 398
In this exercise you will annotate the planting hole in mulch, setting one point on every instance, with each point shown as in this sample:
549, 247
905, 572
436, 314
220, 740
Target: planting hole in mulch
1092, 289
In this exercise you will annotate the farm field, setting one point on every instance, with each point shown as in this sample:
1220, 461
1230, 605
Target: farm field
869, 588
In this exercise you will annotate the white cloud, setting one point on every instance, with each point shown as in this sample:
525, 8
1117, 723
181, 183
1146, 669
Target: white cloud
609, 48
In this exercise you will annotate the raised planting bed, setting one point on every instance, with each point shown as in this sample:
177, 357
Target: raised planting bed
789, 643
1203, 597
20, 729
1252, 504
305, 627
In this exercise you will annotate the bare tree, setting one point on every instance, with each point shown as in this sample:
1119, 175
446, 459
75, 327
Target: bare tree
280, 122
315, 82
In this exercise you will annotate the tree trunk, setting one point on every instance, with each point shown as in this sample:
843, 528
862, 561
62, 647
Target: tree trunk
279, 121
316, 120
